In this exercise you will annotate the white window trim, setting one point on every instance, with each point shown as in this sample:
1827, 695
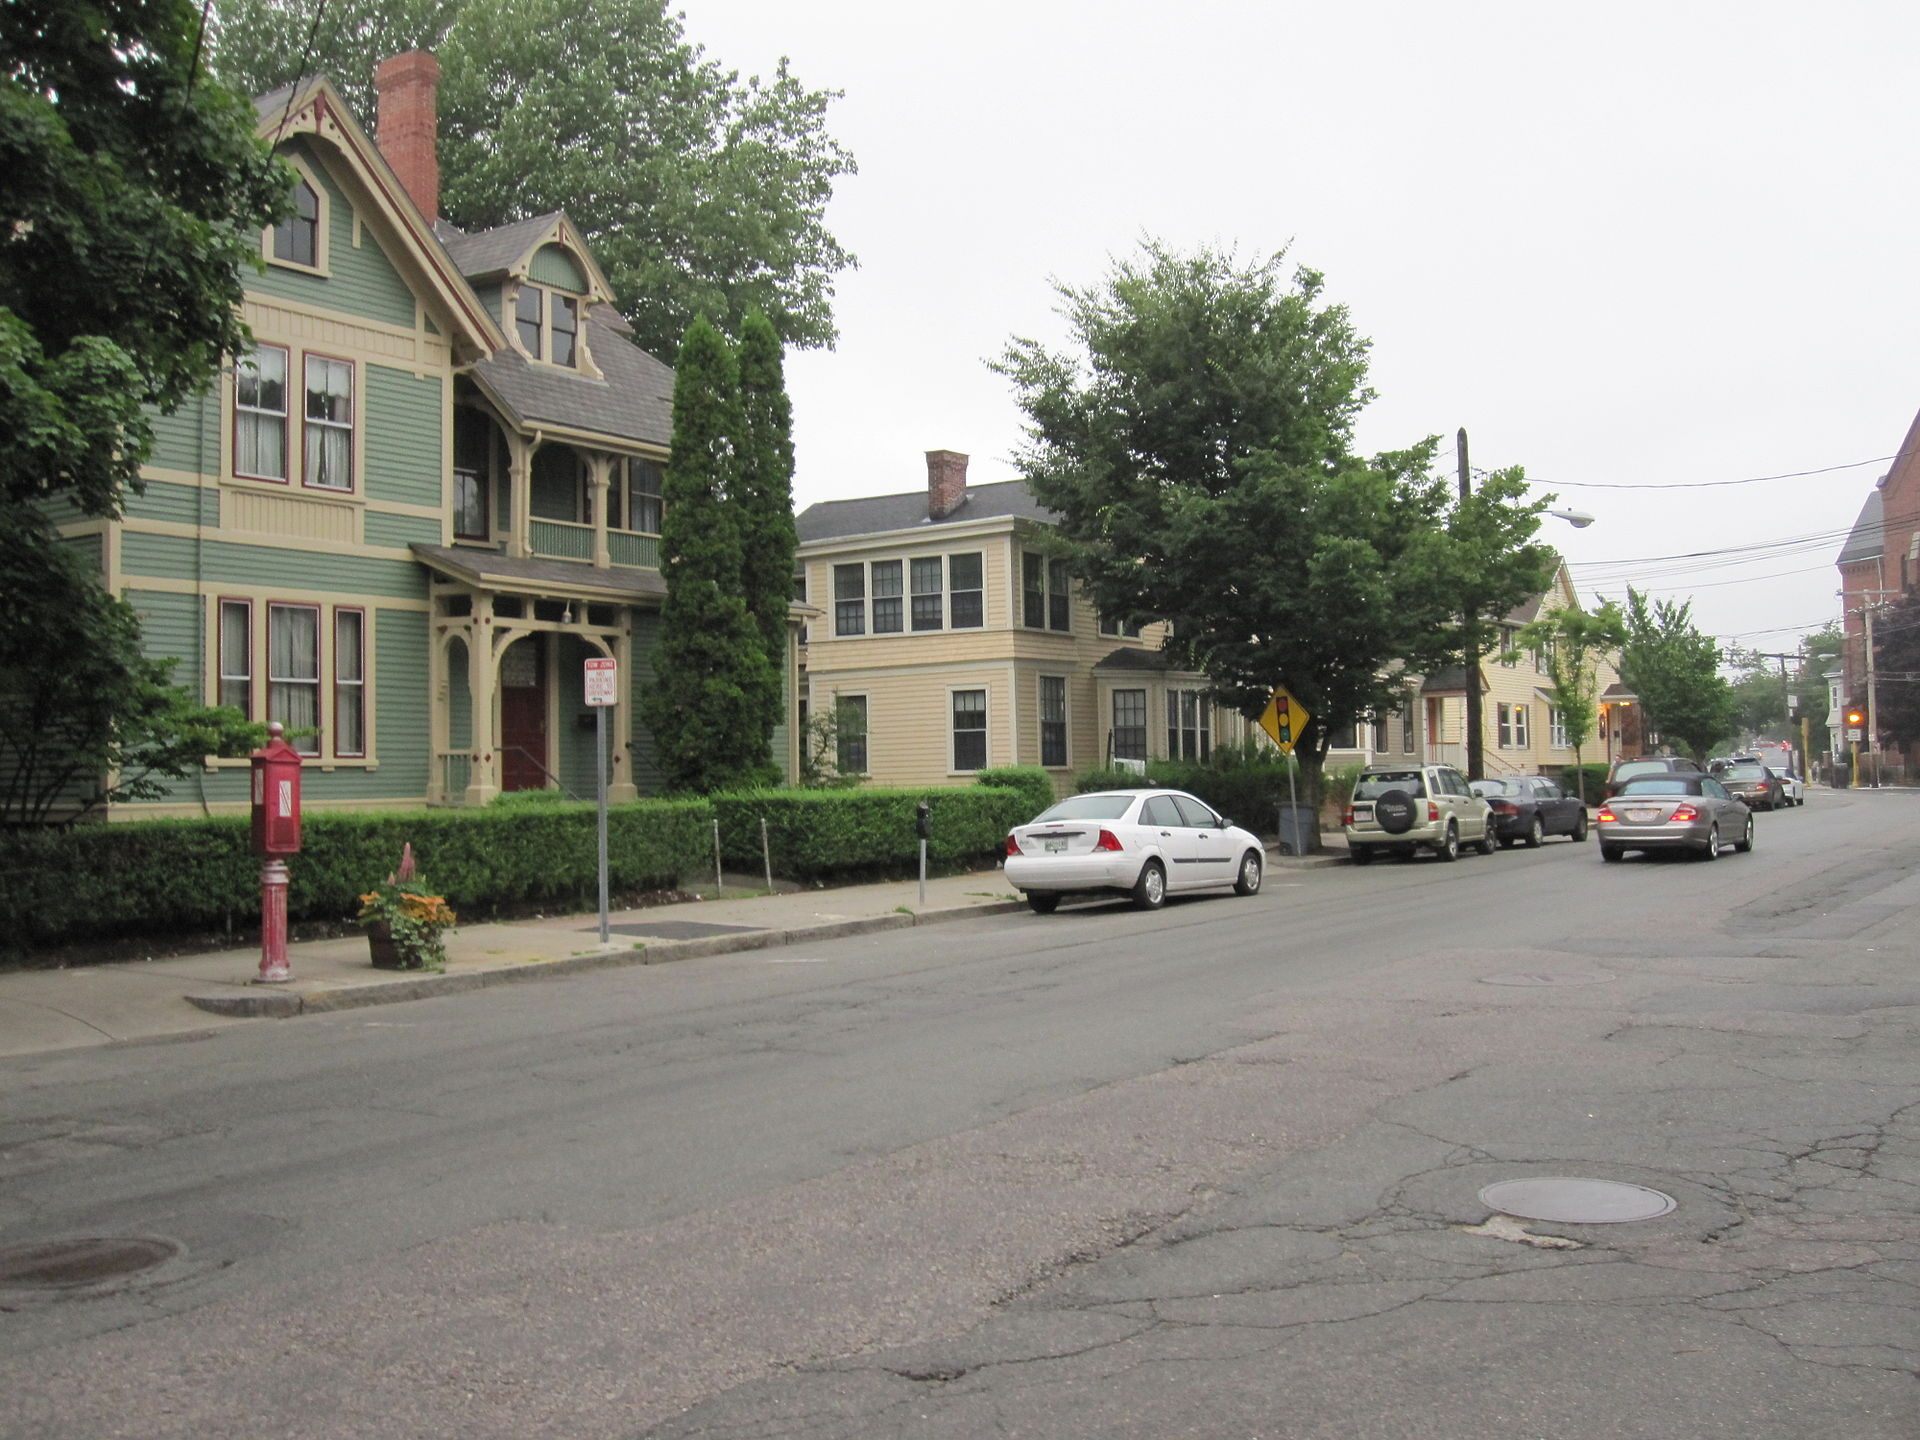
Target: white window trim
947, 558
986, 728
905, 559
1113, 721
1047, 562
867, 709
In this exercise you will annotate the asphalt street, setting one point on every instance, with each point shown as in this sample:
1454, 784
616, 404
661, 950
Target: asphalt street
1208, 1172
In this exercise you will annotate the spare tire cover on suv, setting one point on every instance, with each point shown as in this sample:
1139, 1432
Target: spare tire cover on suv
1393, 812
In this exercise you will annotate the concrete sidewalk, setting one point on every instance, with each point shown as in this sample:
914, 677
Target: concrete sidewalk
45, 1010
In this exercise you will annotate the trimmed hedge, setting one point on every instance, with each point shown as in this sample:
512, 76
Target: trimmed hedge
1030, 780
173, 877
816, 834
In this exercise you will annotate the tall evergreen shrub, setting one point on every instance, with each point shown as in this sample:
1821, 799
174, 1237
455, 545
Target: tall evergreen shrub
763, 494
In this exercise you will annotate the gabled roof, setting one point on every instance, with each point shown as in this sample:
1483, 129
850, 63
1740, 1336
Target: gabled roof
1451, 681
879, 514
313, 107
1869, 532
633, 402
508, 249
1134, 658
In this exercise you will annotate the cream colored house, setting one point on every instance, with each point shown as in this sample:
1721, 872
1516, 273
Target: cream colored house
1521, 728
947, 642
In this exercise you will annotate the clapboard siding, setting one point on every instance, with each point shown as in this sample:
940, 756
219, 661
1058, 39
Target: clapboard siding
361, 280
404, 414
181, 504
189, 438
172, 557
401, 718
399, 531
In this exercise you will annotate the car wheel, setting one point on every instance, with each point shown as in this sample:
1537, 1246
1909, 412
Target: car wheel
1745, 843
1580, 828
1611, 853
1150, 890
1536, 833
1713, 843
1449, 847
1248, 882
1043, 902
1489, 841
1361, 854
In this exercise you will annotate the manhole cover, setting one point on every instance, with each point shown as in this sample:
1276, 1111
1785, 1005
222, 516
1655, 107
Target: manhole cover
678, 929
1573, 1201
1547, 977
66, 1264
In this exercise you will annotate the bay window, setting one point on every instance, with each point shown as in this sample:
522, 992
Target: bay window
1129, 725
1189, 725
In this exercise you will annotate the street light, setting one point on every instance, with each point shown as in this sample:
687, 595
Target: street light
1578, 519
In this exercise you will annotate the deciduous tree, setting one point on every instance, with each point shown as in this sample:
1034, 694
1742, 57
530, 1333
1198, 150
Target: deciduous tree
1195, 439
1675, 670
700, 192
1574, 641
706, 708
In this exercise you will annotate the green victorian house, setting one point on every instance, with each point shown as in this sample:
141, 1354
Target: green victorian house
403, 521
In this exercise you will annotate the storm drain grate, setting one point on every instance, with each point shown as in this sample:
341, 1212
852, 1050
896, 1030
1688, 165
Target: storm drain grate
68, 1264
1547, 977
1569, 1200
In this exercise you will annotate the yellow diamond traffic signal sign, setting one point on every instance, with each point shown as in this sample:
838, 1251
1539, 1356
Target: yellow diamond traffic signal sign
1284, 719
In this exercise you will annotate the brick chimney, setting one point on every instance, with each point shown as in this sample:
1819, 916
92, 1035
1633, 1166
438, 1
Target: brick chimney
946, 483
409, 87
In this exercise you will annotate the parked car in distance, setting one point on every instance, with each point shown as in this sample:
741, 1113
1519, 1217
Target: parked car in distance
1531, 807
1407, 808
1625, 770
1144, 843
1755, 784
1795, 787
1677, 811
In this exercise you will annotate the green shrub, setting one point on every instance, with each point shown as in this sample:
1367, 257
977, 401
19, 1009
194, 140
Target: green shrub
817, 834
1243, 784
1336, 787
183, 877
1030, 780
1591, 780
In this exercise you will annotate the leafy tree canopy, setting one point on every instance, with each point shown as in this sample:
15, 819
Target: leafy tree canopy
1759, 697
700, 192
1574, 641
1675, 670
135, 201
1196, 440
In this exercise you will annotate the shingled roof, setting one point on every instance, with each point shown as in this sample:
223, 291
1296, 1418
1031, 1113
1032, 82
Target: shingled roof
878, 514
491, 252
633, 402
1868, 537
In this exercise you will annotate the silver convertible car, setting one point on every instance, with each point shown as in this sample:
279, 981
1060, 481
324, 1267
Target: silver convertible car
1674, 812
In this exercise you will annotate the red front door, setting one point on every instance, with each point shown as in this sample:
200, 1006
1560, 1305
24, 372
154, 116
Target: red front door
523, 715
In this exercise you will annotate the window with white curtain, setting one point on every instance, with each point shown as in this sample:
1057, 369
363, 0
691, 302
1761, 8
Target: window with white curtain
260, 414
329, 427
349, 682
293, 673
236, 655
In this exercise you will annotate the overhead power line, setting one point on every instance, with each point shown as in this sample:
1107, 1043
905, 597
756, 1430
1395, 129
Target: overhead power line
1713, 484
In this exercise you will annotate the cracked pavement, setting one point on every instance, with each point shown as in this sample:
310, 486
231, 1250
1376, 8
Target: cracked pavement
1213, 1172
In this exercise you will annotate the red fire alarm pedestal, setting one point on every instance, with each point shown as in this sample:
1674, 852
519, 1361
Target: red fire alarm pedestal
276, 834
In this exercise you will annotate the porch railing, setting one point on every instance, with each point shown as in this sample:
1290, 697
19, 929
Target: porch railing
561, 539
629, 547
456, 771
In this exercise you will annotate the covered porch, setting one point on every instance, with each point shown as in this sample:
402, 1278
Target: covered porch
507, 641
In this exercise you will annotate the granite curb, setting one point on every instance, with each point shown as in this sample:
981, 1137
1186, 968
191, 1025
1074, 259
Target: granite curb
264, 1003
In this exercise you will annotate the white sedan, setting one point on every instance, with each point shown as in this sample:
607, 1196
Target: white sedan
1145, 843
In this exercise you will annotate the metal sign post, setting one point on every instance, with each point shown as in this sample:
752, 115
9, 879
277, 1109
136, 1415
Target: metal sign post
602, 684
1283, 720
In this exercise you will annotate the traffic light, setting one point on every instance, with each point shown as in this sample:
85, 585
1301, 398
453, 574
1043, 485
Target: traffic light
1856, 717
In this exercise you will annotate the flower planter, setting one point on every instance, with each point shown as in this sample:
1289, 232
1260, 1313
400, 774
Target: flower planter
387, 954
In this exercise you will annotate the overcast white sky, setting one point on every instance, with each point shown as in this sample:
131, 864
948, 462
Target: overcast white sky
1637, 244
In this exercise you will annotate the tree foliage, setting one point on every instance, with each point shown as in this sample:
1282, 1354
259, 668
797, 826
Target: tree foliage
85, 716
712, 680
1759, 697
700, 192
135, 199
1574, 641
1819, 653
1675, 670
763, 493
1196, 441
1896, 659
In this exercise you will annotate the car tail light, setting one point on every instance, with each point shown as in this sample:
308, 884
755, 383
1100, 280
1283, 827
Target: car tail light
1503, 807
1684, 812
1433, 811
1346, 816
1606, 814
1107, 841
1013, 845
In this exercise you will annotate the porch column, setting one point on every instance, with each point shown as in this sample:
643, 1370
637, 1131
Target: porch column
437, 706
620, 784
483, 781
519, 495
599, 472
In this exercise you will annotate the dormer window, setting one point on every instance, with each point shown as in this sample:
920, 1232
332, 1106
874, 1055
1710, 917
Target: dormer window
566, 330
528, 319
297, 238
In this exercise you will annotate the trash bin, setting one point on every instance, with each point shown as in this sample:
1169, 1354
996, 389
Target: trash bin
1299, 829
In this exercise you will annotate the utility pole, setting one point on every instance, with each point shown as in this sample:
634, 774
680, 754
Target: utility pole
1873, 704
1470, 644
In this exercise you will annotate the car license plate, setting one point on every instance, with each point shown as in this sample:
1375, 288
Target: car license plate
1643, 815
1054, 847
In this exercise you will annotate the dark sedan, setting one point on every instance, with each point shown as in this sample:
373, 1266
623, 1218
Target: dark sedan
1530, 808
1755, 784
